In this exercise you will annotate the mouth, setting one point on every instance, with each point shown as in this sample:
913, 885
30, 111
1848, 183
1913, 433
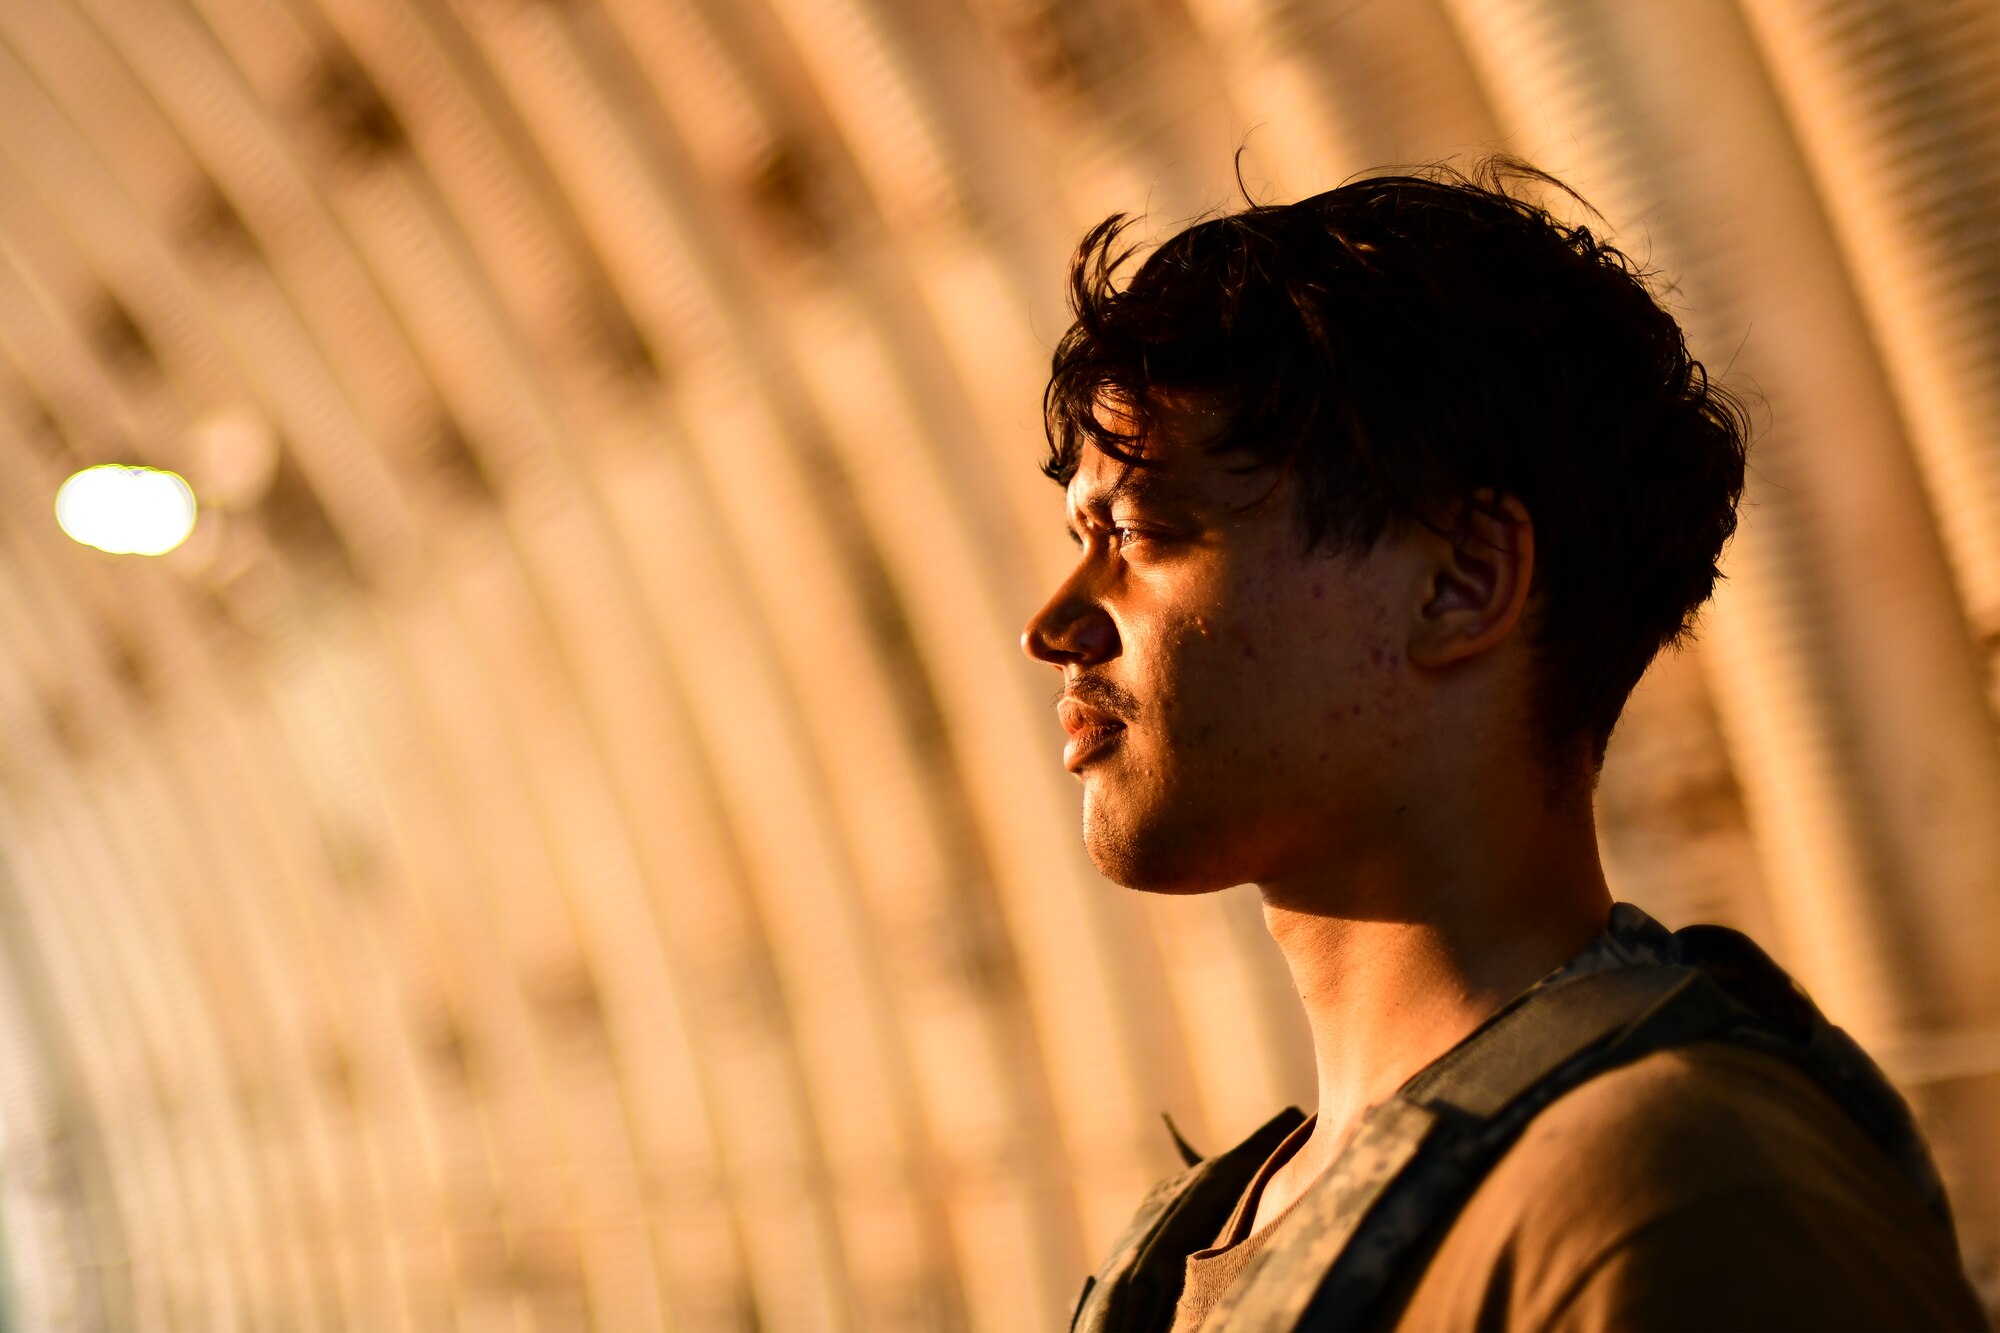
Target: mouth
1091, 743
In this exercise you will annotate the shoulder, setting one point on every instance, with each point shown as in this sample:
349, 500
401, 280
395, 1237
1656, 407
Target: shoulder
1701, 1185
1693, 1123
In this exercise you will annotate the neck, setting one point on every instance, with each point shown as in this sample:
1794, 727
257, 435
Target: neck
1444, 943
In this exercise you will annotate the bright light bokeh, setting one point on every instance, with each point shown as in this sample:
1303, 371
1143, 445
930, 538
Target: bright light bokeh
127, 510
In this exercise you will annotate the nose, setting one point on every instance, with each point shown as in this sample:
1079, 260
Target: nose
1070, 629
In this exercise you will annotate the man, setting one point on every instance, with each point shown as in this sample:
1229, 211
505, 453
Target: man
1384, 501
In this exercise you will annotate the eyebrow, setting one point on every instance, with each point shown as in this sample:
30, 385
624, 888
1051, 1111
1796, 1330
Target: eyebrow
1137, 484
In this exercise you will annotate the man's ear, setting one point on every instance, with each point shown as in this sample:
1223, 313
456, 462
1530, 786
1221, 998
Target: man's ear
1476, 583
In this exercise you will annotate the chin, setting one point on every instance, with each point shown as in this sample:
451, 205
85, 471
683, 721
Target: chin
1153, 856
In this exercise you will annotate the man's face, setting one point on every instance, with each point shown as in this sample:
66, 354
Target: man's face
1263, 692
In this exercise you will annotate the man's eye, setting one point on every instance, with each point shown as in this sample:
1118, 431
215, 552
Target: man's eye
1120, 535
1152, 542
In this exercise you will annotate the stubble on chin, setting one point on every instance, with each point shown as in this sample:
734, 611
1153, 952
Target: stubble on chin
1108, 842
1141, 851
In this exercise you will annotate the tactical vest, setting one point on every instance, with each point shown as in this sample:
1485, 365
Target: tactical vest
1415, 1158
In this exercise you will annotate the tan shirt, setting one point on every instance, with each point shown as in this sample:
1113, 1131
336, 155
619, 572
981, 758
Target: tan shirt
1701, 1188
1211, 1271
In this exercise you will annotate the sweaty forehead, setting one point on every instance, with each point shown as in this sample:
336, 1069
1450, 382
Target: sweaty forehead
1102, 483
1179, 475
1184, 473
1096, 487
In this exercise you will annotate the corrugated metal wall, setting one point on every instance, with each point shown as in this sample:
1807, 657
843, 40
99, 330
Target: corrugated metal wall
572, 842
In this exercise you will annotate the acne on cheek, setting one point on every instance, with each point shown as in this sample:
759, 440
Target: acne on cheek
1376, 677
1382, 656
1243, 643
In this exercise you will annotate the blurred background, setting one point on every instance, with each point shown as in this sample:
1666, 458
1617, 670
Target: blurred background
570, 840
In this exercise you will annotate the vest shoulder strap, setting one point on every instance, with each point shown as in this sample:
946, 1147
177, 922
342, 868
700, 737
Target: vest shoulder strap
1506, 1065
1415, 1157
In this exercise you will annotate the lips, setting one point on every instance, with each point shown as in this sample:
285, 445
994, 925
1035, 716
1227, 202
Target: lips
1092, 733
1080, 717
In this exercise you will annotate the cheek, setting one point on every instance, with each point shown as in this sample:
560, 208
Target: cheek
1193, 670
1376, 697
1286, 671
1189, 646
1341, 667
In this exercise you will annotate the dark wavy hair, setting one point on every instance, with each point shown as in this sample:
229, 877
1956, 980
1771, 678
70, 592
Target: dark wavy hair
1401, 341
